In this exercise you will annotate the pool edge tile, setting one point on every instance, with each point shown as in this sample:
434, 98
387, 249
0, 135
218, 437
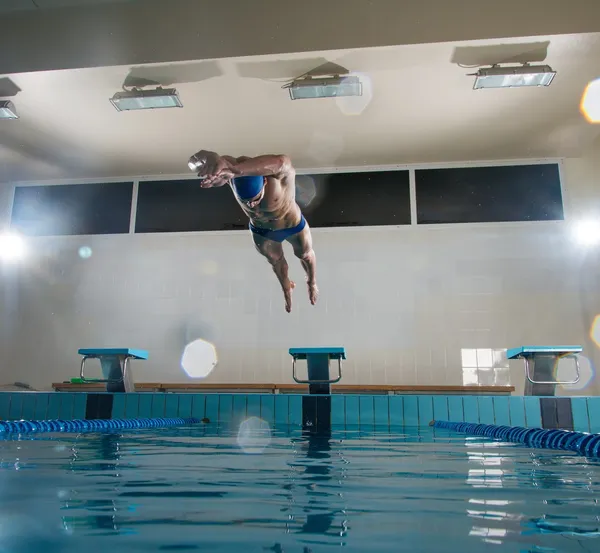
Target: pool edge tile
366, 412
282, 408
396, 407
517, 411
502, 410
381, 406
581, 419
486, 409
338, 411
425, 404
533, 412
118, 407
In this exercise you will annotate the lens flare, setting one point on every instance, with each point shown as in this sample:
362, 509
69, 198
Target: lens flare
85, 252
306, 190
325, 148
566, 372
355, 105
12, 247
590, 102
595, 331
199, 358
587, 233
254, 436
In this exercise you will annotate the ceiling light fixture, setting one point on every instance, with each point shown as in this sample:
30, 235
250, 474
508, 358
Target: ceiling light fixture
7, 110
137, 99
325, 87
513, 77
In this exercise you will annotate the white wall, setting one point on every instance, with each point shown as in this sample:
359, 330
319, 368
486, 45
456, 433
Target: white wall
403, 301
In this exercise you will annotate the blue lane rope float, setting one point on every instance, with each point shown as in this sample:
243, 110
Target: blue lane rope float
584, 444
94, 425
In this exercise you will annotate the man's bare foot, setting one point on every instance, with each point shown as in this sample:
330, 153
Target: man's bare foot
313, 292
287, 292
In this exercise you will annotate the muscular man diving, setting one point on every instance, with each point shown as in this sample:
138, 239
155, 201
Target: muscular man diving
265, 188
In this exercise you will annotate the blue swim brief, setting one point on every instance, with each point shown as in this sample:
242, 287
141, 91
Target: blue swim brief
279, 235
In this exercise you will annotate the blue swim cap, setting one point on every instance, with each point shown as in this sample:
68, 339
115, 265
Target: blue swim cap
247, 188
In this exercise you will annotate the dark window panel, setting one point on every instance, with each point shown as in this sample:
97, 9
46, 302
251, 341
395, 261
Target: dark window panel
182, 206
376, 198
70, 209
343, 199
489, 194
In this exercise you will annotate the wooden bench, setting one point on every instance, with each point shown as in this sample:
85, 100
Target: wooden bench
193, 387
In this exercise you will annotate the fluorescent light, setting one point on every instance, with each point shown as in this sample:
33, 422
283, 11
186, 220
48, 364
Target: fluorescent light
146, 99
7, 110
328, 87
511, 77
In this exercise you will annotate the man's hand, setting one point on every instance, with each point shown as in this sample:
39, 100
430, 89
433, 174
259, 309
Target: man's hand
215, 170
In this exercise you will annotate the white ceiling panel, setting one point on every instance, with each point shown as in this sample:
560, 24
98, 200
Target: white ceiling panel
419, 106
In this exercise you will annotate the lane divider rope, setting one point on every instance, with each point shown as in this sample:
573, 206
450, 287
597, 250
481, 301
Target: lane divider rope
579, 442
93, 425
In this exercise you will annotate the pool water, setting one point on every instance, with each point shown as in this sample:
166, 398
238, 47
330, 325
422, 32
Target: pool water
205, 489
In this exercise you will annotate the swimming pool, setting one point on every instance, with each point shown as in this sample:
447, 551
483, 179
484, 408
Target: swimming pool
205, 488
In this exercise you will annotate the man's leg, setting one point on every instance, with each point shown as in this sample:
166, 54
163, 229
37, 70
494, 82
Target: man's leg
303, 250
273, 251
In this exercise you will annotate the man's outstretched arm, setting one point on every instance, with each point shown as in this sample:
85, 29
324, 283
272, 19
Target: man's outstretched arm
217, 170
278, 166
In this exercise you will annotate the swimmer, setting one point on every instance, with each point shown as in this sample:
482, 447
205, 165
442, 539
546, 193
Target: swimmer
265, 188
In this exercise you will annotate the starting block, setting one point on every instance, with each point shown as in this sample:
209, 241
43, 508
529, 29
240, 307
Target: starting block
115, 366
541, 363
319, 380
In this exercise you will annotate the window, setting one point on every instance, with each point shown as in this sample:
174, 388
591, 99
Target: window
485, 367
69, 209
182, 206
344, 199
489, 194
355, 199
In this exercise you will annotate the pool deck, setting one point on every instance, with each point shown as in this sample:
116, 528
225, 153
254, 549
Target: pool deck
351, 411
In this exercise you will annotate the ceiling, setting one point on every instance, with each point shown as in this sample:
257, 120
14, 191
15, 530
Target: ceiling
419, 107
8, 6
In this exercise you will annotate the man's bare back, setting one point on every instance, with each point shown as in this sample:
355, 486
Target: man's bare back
271, 206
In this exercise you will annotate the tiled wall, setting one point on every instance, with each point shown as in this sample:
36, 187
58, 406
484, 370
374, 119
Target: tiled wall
445, 293
366, 412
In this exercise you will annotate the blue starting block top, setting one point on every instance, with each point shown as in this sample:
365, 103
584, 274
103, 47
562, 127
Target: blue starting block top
333, 353
106, 352
529, 351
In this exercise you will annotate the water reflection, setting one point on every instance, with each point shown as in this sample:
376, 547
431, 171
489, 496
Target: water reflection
317, 484
504, 518
193, 488
97, 453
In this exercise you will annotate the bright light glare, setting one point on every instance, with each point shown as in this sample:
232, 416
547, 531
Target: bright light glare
254, 435
587, 233
595, 330
85, 252
199, 358
590, 102
306, 190
565, 372
355, 105
12, 247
